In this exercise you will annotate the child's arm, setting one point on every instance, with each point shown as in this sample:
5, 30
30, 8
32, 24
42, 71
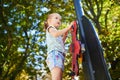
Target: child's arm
65, 36
57, 33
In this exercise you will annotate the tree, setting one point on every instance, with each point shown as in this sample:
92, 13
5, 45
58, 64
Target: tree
17, 43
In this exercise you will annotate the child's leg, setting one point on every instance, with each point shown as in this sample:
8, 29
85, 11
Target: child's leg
55, 62
56, 73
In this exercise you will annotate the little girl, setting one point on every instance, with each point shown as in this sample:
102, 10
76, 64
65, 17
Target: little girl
55, 45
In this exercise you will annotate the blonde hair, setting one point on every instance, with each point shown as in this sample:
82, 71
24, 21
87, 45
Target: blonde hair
46, 21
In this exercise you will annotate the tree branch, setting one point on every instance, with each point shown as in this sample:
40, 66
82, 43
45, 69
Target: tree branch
106, 15
91, 8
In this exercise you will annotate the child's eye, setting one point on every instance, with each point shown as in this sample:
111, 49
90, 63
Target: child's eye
56, 18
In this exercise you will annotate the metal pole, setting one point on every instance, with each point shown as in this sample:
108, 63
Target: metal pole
87, 67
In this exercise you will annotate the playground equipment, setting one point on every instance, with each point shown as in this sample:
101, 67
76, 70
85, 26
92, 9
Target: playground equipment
93, 62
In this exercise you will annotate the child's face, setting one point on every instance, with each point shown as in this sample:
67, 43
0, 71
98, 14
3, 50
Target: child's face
55, 20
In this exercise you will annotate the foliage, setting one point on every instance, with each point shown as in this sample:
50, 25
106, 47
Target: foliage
19, 42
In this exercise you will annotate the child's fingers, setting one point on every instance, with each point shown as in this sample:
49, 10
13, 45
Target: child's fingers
71, 29
66, 33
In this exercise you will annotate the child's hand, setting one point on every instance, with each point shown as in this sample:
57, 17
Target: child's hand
71, 26
66, 34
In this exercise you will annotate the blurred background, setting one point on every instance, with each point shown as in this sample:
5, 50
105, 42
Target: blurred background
22, 36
